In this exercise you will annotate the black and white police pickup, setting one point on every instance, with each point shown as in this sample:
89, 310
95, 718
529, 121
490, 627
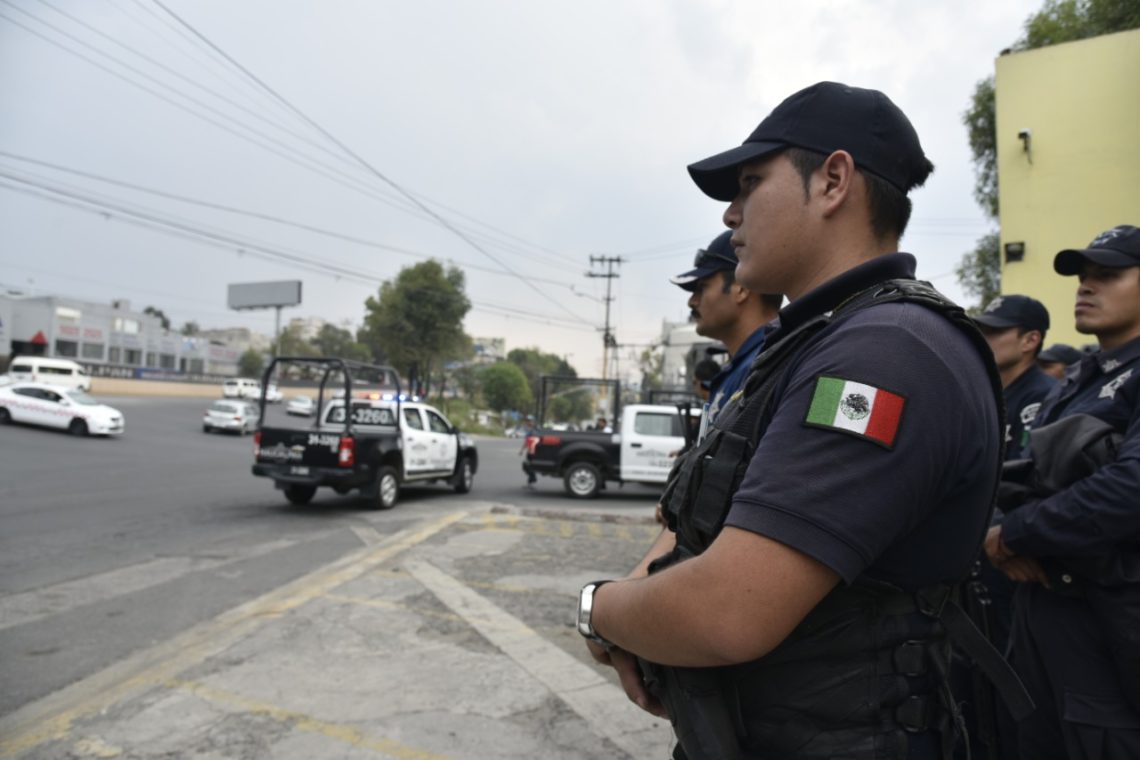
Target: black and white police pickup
381, 444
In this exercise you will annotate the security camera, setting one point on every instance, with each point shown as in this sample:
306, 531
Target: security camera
1024, 134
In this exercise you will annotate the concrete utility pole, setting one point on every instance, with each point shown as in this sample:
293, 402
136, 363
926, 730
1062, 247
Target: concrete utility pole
608, 340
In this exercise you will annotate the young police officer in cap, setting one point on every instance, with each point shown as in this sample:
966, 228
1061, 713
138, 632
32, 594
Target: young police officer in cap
1076, 635
1015, 328
817, 530
725, 310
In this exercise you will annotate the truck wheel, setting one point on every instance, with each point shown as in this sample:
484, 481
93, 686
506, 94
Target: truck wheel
5, 416
387, 488
583, 480
77, 427
465, 477
299, 494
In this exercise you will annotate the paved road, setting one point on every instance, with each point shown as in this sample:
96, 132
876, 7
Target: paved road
109, 547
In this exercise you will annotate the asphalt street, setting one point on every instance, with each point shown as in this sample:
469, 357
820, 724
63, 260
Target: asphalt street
139, 570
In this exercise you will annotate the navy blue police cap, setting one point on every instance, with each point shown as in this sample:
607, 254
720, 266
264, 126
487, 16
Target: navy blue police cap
1118, 247
720, 256
824, 118
1060, 352
1015, 311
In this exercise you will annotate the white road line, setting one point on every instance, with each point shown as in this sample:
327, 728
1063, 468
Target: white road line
28, 606
599, 702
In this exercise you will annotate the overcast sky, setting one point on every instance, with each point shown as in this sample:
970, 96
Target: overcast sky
544, 132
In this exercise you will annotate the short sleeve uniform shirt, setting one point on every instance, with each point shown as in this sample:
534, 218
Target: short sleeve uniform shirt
883, 446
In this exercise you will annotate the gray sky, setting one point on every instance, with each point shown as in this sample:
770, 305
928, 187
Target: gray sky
547, 132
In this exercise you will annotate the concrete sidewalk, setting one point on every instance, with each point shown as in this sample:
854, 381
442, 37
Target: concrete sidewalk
452, 639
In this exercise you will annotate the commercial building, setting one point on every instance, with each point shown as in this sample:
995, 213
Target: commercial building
109, 339
1067, 159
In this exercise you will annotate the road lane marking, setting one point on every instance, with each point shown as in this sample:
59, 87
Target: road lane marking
600, 703
51, 718
302, 722
29, 606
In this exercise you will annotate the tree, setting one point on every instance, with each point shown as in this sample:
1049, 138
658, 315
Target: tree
534, 364
336, 341
154, 311
652, 363
505, 387
979, 272
417, 320
190, 328
251, 363
290, 343
1058, 21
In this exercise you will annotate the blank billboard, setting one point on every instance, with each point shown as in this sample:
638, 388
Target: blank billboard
264, 295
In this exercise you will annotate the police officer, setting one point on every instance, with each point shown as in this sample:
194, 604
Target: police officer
815, 535
1062, 645
725, 310
1015, 328
1054, 360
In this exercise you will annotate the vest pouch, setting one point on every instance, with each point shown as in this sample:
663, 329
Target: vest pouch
704, 713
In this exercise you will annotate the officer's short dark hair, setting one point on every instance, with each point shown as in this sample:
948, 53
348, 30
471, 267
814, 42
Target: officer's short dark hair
890, 207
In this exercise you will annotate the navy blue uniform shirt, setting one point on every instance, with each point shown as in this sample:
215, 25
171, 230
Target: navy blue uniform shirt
731, 376
1023, 400
1102, 511
911, 513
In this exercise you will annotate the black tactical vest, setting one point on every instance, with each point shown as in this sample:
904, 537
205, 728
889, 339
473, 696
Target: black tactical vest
865, 672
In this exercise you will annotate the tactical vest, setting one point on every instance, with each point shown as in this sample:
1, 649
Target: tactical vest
866, 671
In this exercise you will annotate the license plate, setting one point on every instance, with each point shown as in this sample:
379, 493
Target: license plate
299, 470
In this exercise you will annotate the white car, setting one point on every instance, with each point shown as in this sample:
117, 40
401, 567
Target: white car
241, 387
60, 407
273, 395
233, 415
301, 406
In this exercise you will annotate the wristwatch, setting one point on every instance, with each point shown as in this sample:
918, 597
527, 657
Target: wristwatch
585, 613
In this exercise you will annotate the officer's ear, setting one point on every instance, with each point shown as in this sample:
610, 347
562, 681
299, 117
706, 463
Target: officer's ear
1031, 341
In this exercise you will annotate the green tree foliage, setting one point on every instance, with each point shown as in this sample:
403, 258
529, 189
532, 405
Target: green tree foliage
190, 328
652, 363
335, 341
292, 344
979, 272
572, 405
154, 311
417, 320
505, 387
251, 363
534, 364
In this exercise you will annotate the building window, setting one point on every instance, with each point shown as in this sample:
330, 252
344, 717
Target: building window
125, 325
114, 356
151, 359
166, 361
133, 357
93, 351
69, 348
197, 366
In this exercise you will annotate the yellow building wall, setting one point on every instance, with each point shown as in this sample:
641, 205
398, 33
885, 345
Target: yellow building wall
1080, 102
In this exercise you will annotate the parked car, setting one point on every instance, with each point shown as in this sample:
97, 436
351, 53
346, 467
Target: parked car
233, 415
241, 387
60, 407
41, 369
273, 395
300, 406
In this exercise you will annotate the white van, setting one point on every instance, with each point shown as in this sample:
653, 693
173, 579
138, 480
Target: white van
41, 369
241, 387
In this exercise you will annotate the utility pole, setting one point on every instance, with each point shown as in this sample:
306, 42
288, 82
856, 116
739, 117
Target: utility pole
608, 340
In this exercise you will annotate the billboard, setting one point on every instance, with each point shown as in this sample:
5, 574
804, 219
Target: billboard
264, 295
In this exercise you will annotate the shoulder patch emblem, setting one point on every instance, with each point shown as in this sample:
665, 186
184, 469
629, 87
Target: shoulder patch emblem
1029, 412
1109, 389
856, 408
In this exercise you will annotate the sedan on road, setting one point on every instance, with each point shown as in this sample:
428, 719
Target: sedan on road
301, 406
235, 416
56, 406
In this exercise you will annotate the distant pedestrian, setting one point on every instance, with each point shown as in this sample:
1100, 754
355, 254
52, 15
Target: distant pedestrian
529, 429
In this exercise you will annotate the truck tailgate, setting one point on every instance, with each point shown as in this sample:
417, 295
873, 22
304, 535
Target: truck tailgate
298, 448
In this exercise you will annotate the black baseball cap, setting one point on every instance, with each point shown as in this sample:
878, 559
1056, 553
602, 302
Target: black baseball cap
720, 256
1118, 247
1060, 352
1015, 311
824, 118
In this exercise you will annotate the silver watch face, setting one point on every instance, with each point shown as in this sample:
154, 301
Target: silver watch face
585, 605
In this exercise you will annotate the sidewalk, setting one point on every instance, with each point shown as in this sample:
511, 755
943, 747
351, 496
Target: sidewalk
452, 639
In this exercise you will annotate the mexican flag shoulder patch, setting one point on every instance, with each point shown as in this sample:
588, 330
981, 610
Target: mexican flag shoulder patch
856, 408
